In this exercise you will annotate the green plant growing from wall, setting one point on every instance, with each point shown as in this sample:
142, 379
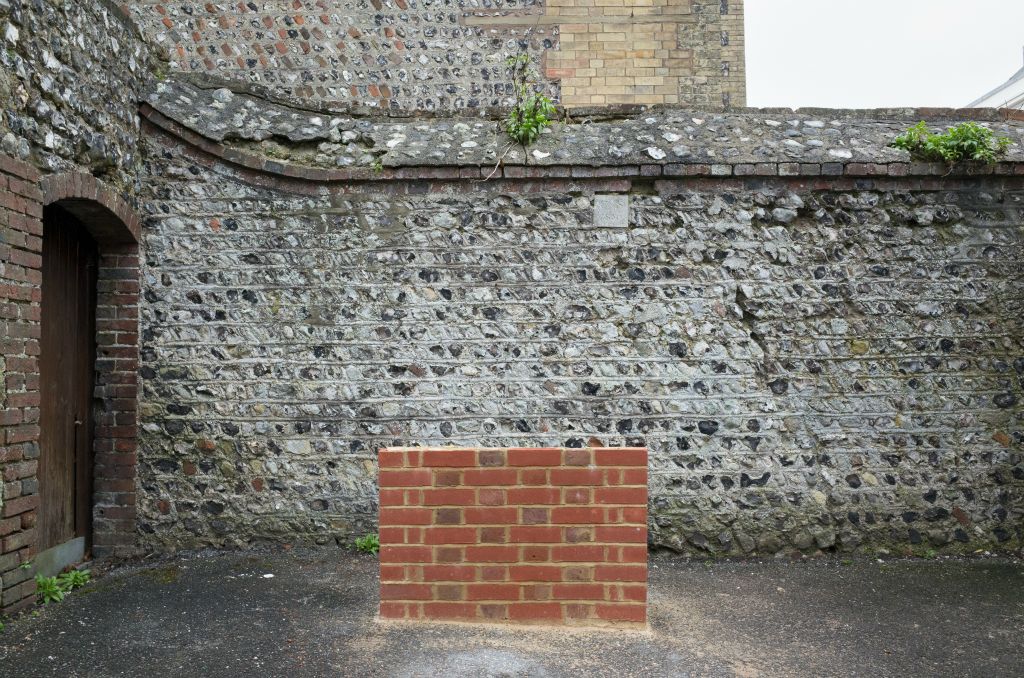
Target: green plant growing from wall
531, 111
369, 543
967, 141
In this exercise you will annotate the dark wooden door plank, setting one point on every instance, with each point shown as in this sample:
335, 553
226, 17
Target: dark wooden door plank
67, 360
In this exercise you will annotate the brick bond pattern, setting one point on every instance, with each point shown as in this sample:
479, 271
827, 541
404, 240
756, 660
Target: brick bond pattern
523, 535
21, 231
413, 55
23, 193
655, 52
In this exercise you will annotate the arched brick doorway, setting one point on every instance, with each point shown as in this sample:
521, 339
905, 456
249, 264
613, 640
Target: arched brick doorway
93, 214
81, 202
88, 369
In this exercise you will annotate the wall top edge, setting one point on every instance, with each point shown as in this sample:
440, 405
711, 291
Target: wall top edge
252, 133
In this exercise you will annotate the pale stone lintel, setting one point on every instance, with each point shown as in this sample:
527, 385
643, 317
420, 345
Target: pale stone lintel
675, 18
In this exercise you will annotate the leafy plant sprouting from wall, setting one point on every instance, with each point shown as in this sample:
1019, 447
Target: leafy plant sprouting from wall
531, 110
967, 141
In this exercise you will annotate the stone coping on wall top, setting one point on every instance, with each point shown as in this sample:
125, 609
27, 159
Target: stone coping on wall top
289, 168
271, 138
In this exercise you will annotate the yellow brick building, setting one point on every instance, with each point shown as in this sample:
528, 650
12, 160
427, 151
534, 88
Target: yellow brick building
681, 52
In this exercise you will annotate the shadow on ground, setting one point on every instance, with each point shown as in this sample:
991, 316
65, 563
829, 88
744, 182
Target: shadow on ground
213, 615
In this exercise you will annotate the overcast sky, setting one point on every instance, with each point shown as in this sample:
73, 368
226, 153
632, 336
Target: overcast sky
873, 53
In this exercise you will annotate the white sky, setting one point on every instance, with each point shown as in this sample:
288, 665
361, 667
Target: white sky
877, 53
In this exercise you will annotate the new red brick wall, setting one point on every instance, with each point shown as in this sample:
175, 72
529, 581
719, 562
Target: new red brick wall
522, 535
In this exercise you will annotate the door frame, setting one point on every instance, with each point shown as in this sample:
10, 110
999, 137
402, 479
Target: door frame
70, 265
116, 228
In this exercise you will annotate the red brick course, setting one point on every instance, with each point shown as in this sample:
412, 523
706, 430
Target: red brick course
518, 535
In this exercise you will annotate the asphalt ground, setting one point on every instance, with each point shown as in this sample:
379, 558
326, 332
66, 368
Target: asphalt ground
220, 614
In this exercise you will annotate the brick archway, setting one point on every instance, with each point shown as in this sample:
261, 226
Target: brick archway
116, 227
106, 214
25, 197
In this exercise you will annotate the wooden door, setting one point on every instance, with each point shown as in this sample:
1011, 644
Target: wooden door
66, 368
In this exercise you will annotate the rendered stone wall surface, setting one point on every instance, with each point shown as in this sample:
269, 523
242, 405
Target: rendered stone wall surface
523, 535
400, 56
813, 362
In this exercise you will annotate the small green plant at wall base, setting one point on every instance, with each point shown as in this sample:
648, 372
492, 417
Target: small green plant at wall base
967, 141
369, 543
53, 589
532, 112
74, 579
48, 589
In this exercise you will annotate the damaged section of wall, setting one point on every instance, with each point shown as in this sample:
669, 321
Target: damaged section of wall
673, 52
717, 76
813, 362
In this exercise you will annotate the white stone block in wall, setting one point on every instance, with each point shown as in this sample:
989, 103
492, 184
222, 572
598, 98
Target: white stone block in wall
611, 211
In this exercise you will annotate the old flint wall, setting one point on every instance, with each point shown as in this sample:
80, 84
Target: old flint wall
403, 56
71, 77
813, 362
